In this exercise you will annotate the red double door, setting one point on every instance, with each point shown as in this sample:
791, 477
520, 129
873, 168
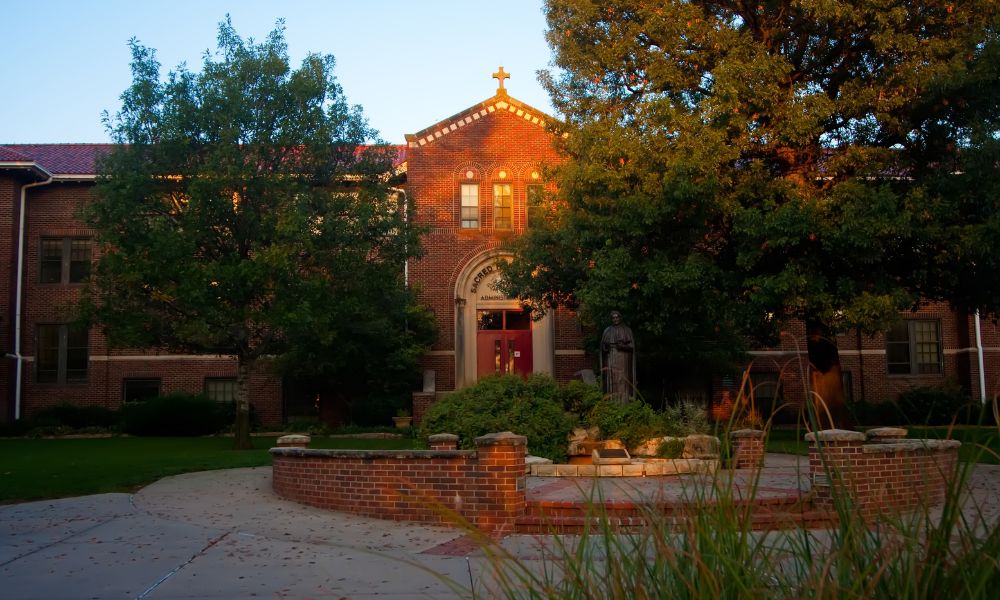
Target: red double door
503, 342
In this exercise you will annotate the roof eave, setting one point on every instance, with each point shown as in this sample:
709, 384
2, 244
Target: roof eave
25, 165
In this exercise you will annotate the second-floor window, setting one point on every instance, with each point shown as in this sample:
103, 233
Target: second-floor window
503, 206
470, 206
65, 260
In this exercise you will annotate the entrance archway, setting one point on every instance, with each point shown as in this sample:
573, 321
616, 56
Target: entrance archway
493, 335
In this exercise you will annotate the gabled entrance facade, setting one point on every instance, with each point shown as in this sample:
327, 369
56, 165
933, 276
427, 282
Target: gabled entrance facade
471, 180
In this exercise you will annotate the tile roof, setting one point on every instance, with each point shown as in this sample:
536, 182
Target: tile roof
61, 159
8, 154
81, 159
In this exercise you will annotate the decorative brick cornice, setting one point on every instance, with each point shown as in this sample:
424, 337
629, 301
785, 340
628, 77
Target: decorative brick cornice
470, 116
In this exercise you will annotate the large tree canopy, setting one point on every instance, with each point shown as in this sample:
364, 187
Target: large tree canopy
246, 212
732, 165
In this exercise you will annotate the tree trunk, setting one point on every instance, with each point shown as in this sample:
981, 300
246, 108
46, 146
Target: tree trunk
241, 429
825, 378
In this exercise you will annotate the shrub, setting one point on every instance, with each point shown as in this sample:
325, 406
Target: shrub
632, 423
177, 414
531, 407
876, 413
75, 417
670, 448
933, 405
686, 417
580, 398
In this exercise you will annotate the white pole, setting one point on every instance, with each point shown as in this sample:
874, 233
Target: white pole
982, 368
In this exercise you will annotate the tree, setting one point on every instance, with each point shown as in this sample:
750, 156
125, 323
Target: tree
733, 165
243, 212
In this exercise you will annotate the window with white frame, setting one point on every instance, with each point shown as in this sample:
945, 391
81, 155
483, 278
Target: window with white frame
221, 389
503, 206
470, 206
913, 347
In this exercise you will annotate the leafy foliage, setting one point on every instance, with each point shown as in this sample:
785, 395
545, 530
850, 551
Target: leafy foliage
876, 413
933, 405
243, 212
733, 165
74, 417
686, 418
178, 414
636, 421
670, 448
631, 423
532, 407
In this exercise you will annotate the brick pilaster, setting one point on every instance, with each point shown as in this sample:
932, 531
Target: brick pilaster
833, 457
501, 469
443, 441
748, 448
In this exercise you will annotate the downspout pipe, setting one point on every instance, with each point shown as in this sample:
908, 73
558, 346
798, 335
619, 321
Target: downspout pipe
19, 294
982, 367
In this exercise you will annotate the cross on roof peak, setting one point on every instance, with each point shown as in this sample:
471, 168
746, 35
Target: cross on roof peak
500, 76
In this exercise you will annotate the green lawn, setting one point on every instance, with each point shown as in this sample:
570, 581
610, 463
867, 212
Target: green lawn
981, 444
36, 469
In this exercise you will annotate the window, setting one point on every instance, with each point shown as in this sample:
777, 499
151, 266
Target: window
221, 389
61, 354
766, 391
914, 348
536, 212
65, 260
470, 206
137, 390
502, 206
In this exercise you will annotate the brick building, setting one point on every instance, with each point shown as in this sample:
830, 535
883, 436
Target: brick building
472, 180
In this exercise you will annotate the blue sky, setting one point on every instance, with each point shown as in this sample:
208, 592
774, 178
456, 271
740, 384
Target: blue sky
408, 63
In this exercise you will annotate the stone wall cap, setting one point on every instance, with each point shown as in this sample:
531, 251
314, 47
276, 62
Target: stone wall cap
442, 437
835, 435
502, 438
369, 454
294, 438
742, 433
910, 446
886, 432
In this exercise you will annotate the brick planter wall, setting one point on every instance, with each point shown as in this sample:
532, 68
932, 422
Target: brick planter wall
485, 486
879, 477
748, 448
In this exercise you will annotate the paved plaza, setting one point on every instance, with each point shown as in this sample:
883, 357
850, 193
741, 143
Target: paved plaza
224, 534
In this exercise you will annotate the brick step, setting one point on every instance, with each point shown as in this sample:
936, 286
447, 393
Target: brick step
572, 517
572, 508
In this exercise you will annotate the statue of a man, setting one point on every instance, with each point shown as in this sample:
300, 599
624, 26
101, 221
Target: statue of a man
618, 359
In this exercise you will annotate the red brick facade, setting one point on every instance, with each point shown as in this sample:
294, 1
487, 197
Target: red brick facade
500, 146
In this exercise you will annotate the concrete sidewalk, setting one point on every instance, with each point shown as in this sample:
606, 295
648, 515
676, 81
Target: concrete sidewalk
217, 534
224, 534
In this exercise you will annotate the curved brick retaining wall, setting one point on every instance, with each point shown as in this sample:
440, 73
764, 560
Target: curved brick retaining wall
886, 474
485, 486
